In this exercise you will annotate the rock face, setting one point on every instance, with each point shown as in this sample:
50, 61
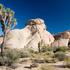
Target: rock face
62, 39
64, 35
30, 36
60, 43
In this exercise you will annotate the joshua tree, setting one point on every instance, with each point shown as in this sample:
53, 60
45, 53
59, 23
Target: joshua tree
7, 22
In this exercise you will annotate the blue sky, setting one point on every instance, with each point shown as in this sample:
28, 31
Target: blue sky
56, 13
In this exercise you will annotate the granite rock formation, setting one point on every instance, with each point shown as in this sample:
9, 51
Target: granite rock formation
62, 39
29, 37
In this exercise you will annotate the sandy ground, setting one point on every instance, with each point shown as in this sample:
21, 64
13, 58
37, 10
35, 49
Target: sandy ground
58, 66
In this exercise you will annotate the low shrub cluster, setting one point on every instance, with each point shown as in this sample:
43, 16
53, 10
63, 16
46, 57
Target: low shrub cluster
62, 49
23, 53
47, 55
60, 55
10, 56
45, 48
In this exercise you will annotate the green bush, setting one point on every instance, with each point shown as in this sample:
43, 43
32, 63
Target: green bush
2, 61
44, 57
10, 57
56, 49
24, 54
60, 55
45, 48
63, 49
49, 53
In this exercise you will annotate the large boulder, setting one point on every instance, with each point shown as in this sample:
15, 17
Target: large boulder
62, 39
29, 37
64, 35
60, 43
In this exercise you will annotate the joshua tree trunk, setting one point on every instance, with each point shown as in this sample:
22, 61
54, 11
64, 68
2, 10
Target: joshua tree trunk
40, 43
7, 20
4, 42
39, 47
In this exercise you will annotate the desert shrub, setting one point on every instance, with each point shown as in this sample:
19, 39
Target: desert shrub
42, 47
60, 56
46, 67
44, 57
2, 61
32, 51
49, 53
62, 48
49, 59
67, 61
45, 48
24, 53
10, 57
56, 49
37, 58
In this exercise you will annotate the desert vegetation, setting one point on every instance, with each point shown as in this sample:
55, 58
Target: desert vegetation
14, 56
8, 21
45, 58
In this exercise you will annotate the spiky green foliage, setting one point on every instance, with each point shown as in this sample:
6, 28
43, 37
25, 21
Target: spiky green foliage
7, 20
1, 6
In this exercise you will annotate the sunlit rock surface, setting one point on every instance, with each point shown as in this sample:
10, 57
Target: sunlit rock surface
60, 43
23, 38
62, 39
64, 35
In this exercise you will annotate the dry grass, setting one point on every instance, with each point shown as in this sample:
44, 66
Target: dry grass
46, 67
